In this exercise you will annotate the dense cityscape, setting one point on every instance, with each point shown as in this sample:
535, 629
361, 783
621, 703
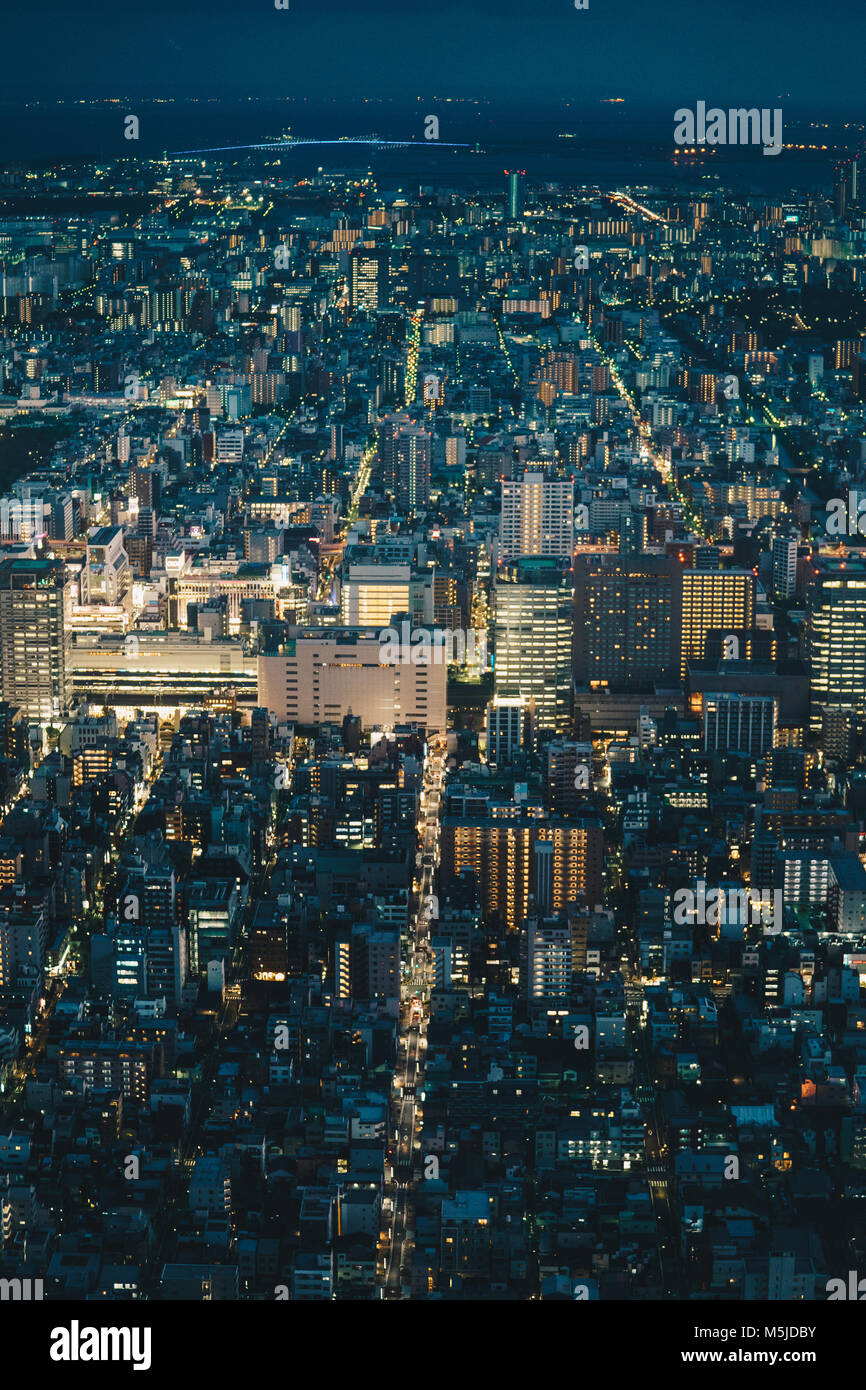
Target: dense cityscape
432, 761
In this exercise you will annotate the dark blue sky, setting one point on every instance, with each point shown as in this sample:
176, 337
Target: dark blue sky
531, 53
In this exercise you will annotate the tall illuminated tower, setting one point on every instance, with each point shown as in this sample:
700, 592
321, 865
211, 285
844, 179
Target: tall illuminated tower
514, 193
35, 640
537, 516
533, 625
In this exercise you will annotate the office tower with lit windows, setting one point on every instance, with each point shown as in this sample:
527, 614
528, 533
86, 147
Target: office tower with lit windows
835, 637
35, 640
718, 605
537, 516
369, 271
533, 625
624, 631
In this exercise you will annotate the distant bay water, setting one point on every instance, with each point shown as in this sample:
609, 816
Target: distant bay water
603, 145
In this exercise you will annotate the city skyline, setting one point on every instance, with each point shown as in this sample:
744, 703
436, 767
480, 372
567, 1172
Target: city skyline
433, 674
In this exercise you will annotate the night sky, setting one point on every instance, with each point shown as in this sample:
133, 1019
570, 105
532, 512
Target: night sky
537, 55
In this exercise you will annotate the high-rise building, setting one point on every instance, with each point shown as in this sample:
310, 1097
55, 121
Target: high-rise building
837, 734
844, 352
23, 932
718, 604
537, 516
546, 959
815, 367
106, 576
35, 641
624, 632
504, 730
145, 485
568, 863
846, 186
260, 734
500, 853
111, 1066
367, 963
555, 862
785, 566
212, 905
739, 723
835, 644
840, 189
533, 625
405, 454
568, 774
514, 193
633, 532
368, 277
61, 517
